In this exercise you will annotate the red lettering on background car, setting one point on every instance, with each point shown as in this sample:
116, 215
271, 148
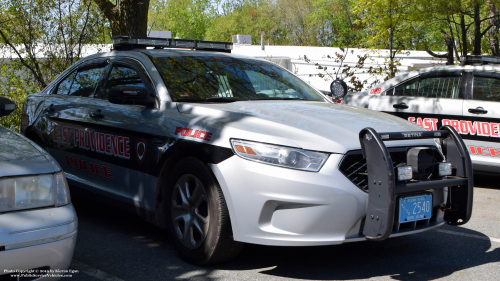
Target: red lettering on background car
463, 127
192, 133
495, 152
485, 151
481, 150
375, 91
495, 128
426, 123
472, 149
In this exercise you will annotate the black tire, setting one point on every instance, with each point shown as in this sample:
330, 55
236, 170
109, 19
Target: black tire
211, 239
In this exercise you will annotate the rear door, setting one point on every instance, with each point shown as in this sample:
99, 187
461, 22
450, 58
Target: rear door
66, 110
426, 100
482, 114
119, 141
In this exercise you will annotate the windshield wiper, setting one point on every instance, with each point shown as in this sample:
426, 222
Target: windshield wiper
212, 99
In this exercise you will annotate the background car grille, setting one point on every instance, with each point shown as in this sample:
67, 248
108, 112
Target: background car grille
353, 166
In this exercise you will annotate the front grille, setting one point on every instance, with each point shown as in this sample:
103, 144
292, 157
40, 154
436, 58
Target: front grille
353, 166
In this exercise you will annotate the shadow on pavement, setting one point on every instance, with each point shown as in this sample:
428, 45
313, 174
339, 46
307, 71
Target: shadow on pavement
125, 246
487, 180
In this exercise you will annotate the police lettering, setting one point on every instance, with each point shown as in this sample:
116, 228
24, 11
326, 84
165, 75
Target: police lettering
199, 134
92, 168
485, 151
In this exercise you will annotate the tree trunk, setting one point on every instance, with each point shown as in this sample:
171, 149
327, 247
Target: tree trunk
127, 17
464, 35
477, 31
449, 43
449, 55
392, 54
493, 32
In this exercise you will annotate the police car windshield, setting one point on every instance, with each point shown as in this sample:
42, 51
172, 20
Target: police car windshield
225, 79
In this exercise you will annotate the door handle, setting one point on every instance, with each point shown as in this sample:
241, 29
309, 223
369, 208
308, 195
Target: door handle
400, 105
50, 109
478, 110
96, 114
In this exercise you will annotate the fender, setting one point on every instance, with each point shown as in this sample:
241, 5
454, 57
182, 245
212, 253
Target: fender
167, 159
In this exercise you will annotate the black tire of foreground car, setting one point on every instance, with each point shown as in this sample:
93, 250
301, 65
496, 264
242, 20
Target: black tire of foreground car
196, 204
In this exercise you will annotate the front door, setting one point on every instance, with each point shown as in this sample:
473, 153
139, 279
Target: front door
482, 112
122, 138
426, 100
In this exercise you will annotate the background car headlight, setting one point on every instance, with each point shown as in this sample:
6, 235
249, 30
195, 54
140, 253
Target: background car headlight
29, 192
281, 156
62, 189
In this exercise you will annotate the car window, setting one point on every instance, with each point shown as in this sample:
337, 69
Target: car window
85, 81
440, 87
407, 89
122, 76
486, 88
65, 85
265, 85
204, 77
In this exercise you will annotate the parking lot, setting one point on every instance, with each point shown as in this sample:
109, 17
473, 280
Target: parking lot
114, 245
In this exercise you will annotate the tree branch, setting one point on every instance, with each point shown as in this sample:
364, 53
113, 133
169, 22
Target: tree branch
107, 8
37, 75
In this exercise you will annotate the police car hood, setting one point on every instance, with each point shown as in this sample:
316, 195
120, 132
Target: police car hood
20, 156
309, 125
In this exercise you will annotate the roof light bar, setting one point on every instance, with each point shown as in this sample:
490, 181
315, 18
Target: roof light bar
130, 43
478, 60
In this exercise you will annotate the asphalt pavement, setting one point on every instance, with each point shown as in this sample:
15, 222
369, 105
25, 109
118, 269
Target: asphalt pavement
115, 245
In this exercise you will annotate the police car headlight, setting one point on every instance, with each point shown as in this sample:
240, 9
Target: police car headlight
282, 156
29, 192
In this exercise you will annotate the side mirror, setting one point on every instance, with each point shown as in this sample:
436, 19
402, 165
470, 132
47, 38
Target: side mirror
338, 88
326, 93
6, 106
130, 95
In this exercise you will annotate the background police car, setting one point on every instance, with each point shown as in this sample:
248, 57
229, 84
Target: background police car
465, 97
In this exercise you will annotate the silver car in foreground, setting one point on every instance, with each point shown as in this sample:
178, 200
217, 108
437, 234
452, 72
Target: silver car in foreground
38, 224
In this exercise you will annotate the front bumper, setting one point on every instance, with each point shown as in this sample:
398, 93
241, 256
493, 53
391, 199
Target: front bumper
38, 239
270, 205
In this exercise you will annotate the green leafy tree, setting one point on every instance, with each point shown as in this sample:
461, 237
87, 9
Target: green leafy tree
42, 38
387, 26
186, 19
249, 18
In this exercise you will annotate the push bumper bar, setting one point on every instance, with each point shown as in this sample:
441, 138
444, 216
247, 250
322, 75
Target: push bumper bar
383, 187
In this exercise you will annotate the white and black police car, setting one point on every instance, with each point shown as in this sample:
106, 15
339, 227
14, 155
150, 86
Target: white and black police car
466, 97
223, 149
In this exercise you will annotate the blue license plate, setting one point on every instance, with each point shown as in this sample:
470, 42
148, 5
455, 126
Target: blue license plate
415, 208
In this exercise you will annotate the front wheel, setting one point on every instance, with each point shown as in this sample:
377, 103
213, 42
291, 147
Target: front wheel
198, 218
